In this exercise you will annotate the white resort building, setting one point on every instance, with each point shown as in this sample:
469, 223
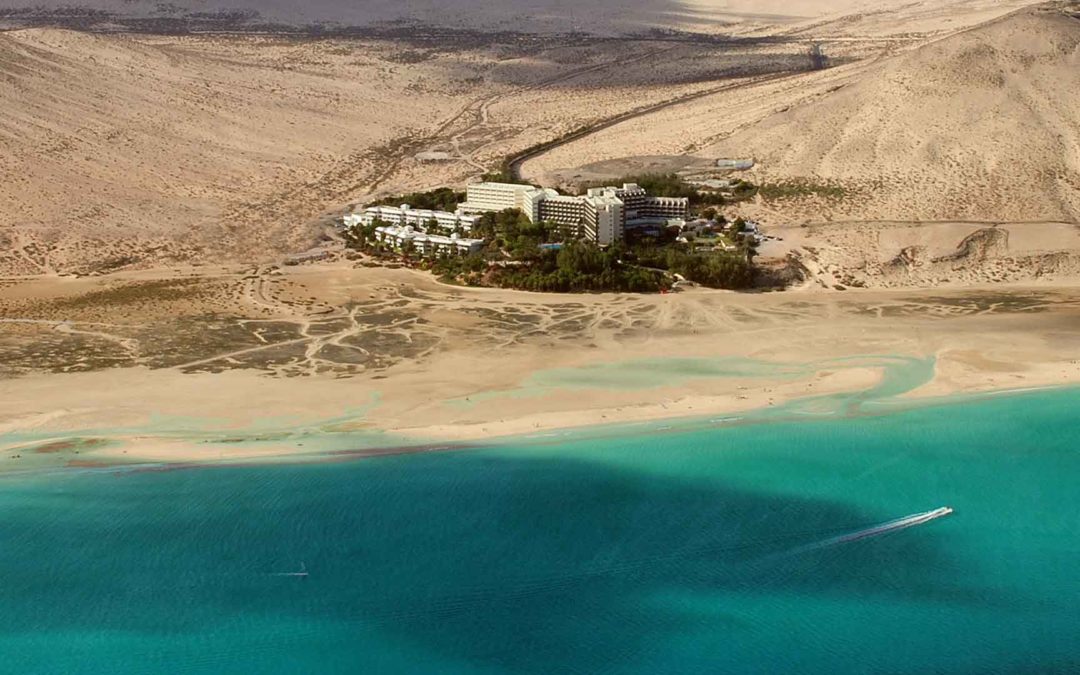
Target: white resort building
482, 197
425, 243
601, 215
443, 221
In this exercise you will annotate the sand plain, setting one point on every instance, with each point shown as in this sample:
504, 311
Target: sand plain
167, 373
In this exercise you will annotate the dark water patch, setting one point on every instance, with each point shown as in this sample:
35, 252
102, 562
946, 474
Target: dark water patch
522, 544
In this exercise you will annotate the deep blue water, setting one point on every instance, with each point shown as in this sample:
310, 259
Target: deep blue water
679, 552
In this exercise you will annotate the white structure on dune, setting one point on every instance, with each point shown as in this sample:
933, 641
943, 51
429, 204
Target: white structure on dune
601, 215
404, 215
429, 232
425, 243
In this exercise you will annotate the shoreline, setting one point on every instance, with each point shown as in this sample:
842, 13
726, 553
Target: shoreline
386, 359
162, 453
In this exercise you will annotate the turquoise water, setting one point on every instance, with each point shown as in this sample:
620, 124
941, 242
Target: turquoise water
678, 552
899, 374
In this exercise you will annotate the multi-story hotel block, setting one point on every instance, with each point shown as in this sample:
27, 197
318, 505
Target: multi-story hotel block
481, 197
601, 215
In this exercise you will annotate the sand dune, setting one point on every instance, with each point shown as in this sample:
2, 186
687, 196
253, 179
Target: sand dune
119, 151
982, 125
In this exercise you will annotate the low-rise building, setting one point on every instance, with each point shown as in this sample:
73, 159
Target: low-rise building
424, 243
442, 221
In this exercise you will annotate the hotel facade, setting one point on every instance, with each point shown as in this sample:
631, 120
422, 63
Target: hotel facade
426, 243
445, 222
601, 215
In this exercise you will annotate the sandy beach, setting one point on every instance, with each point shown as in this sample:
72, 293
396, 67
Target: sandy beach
476, 364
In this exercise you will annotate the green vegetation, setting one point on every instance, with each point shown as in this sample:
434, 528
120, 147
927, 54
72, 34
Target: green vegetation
742, 190
137, 293
503, 175
800, 188
580, 266
362, 238
440, 199
517, 258
576, 267
715, 269
656, 184
549, 257
505, 227
702, 202
465, 269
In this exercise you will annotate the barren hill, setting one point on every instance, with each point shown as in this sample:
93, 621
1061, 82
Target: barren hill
116, 151
982, 125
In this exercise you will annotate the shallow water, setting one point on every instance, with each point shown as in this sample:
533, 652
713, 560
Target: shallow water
687, 551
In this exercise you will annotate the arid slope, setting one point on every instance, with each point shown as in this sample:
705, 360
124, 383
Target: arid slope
116, 149
983, 125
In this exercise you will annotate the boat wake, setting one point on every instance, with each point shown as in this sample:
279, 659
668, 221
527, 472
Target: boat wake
875, 531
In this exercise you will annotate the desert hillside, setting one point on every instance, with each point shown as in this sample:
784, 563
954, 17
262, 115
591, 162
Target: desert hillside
982, 125
134, 149
121, 150
113, 149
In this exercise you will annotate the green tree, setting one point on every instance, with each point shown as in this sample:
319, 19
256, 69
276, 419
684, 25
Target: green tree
440, 199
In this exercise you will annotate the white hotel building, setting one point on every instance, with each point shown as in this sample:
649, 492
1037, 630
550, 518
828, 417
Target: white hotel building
425, 243
429, 232
444, 221
601, 215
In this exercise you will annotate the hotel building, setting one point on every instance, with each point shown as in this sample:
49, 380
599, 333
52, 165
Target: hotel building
404, 215
601, 215
424, 243
481, 197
